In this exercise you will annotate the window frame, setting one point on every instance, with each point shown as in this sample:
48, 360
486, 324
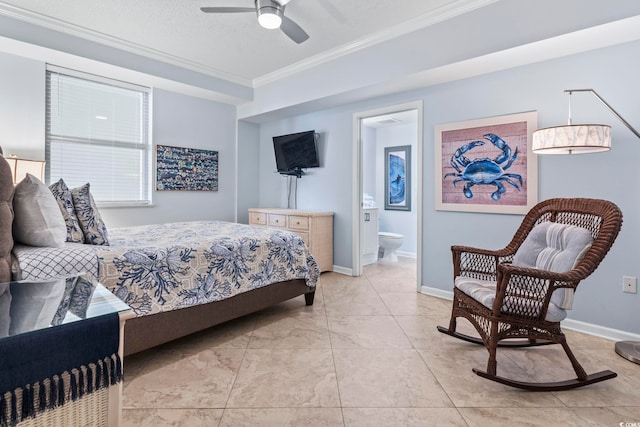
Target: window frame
145, 145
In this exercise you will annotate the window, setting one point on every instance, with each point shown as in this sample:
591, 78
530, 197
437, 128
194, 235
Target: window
97, 131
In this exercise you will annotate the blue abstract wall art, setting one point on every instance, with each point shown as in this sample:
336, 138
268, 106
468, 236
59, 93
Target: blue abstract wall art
398, 178
186, 169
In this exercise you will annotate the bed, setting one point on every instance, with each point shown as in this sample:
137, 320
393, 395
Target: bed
179, 278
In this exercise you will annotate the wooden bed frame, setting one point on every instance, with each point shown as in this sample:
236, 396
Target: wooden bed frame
144, 332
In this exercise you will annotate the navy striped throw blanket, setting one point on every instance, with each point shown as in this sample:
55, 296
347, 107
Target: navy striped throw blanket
49, 367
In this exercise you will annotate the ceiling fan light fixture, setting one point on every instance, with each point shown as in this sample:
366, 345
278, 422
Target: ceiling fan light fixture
269, 14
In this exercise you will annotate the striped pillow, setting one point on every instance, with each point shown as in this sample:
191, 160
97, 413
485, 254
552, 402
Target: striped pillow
485, 293
65, 201
93, 228
554, 247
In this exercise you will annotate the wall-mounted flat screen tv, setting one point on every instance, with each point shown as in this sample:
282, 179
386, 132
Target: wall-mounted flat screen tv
295, 152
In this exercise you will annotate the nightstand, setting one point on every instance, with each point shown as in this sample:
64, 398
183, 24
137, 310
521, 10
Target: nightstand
52, 316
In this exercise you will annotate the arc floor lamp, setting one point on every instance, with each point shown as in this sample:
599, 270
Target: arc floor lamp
577, 139
580, 139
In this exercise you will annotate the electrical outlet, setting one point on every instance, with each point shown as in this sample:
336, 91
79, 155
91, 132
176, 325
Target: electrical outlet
629, 284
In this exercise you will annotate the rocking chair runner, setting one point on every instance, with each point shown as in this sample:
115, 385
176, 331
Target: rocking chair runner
523, 290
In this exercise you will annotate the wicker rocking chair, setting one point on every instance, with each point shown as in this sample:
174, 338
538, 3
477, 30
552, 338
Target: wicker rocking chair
517, 296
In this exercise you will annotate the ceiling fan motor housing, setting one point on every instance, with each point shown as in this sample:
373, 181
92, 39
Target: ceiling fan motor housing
269, 13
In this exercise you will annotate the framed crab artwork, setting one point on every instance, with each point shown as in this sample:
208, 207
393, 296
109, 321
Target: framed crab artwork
486, 165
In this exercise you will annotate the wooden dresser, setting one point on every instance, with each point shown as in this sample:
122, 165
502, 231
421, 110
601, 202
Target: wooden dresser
315, 228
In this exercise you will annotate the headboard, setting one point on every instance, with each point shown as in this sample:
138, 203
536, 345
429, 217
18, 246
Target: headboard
6, 220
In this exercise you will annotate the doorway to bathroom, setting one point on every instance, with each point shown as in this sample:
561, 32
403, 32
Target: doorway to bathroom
387, 182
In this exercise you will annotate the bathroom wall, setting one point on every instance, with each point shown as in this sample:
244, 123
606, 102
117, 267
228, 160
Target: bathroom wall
369, 163
402, 222
374, 141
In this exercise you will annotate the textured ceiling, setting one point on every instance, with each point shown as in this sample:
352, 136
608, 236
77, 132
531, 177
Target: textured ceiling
234, 46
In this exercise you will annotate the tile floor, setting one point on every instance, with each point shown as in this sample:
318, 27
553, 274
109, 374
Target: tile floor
367, 353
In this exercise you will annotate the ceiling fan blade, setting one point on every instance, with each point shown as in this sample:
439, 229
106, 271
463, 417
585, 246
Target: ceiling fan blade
227, 9
293, 30
282, 2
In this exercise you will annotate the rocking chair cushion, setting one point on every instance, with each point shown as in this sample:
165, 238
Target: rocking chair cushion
485, 293
554, 247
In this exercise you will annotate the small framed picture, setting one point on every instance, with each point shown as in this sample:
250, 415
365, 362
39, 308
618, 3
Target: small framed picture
186, 169
397, 178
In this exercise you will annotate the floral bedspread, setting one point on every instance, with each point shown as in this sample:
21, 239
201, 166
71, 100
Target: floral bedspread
162, 267
155, 268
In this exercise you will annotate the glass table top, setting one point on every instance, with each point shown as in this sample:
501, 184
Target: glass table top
29, 305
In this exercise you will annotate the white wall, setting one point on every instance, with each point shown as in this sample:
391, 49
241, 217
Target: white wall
611, 71
402, 222
22, 106
369, 163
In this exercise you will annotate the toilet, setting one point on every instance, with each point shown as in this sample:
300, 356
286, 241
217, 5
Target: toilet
389, 243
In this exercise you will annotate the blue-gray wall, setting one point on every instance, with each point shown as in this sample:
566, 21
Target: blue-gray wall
177, 119
248, 172
612, 175
327, 188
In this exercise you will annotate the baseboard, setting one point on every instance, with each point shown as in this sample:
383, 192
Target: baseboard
435, 292
599, 331
343, 270
406, 254
574, 325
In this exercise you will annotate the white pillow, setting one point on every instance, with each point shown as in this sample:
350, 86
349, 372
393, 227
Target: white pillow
37, 218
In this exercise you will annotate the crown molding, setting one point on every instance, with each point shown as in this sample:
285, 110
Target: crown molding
443, 13
115, 42
67, 60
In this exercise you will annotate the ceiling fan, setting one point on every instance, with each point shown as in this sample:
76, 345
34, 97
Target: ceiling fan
270, 15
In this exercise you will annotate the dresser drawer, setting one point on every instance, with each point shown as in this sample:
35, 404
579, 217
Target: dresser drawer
298, 222
315, 228
258, 218
277, 220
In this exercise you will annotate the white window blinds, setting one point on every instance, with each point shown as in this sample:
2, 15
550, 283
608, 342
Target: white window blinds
97, 131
